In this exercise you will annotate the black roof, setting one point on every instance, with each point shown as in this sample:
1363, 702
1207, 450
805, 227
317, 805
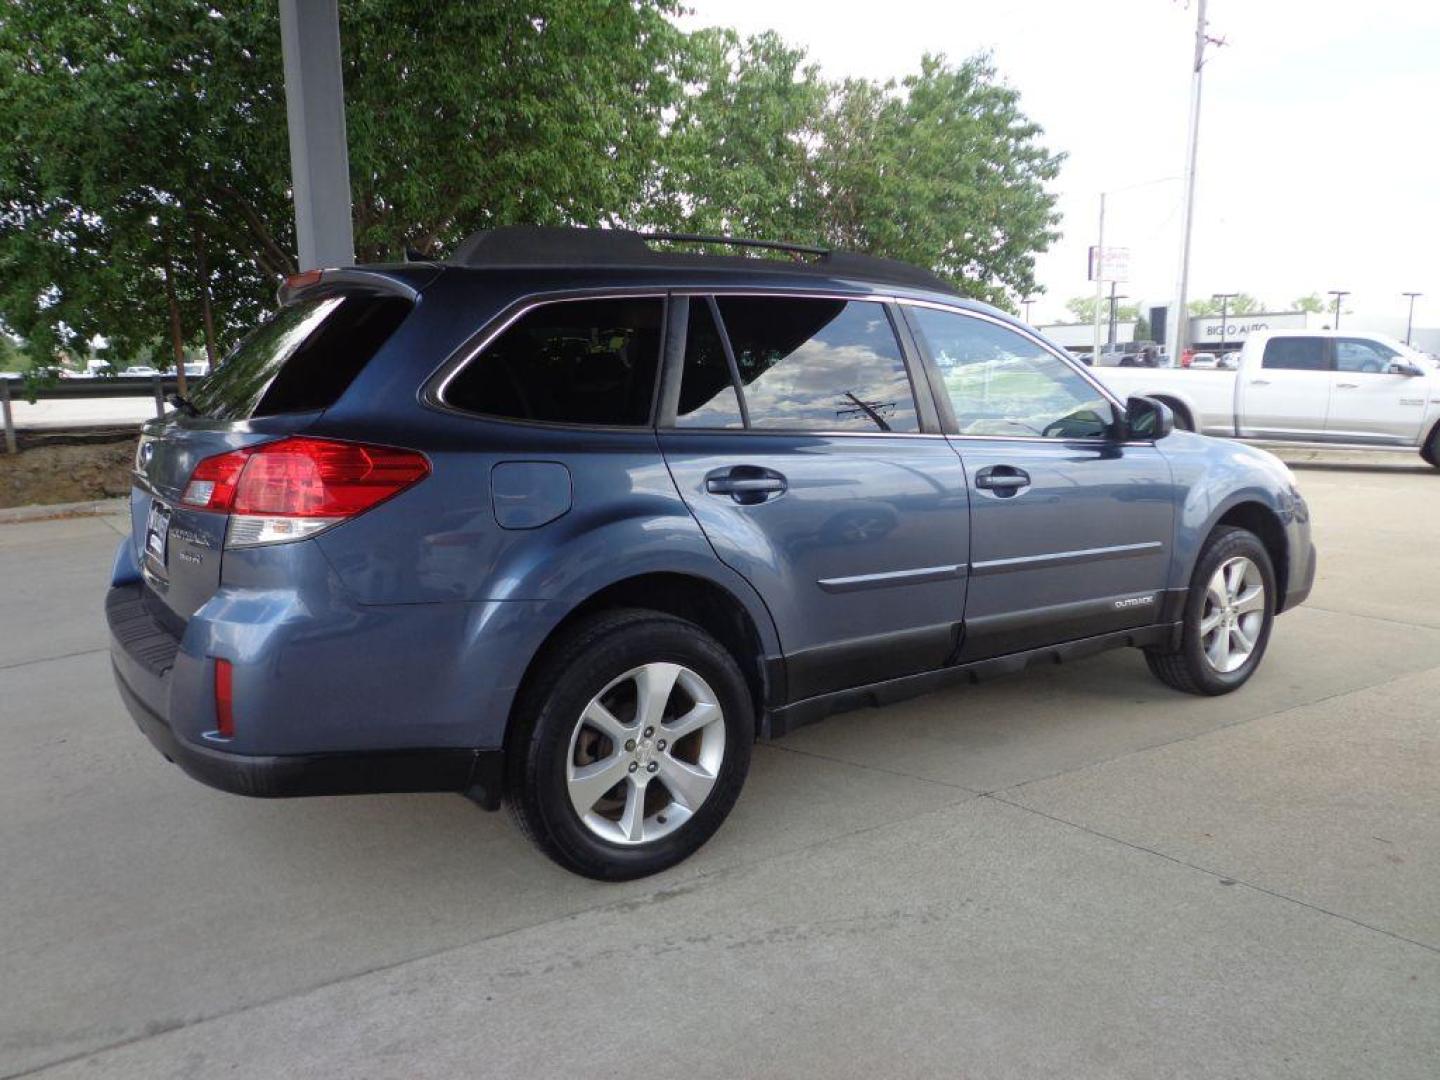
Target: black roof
544, 245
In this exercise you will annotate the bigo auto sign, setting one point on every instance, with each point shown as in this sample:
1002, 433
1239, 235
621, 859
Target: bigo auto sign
1206, 329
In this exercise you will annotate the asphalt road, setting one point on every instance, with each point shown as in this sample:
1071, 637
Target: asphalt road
1073, 873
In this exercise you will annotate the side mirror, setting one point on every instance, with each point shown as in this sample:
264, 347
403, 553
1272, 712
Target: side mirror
1404, 367
1147, 418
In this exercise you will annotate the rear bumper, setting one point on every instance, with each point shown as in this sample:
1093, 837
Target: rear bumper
478, 773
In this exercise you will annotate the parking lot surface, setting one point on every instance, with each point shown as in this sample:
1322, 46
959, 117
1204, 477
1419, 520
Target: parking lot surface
1075, 872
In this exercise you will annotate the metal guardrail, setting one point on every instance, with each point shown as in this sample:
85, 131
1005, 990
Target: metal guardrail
78, 389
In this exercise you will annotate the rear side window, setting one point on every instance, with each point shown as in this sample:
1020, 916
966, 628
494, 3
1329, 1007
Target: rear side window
590, 362
302, 359
1295, 354
707, 389
819, 365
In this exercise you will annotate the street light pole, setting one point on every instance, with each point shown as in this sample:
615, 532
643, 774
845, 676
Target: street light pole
1113, 298
1027, 302
1338, 293
1410, 319
1099, 279
1224, 298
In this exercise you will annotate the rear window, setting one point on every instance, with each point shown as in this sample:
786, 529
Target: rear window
590, 362
302, 359
1296, 354
818, 365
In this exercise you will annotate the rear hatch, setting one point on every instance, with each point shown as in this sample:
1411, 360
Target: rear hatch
275, 383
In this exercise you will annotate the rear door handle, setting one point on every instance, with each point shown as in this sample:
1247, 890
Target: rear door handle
1004, 480
1346, 385
1259, 382
746, 484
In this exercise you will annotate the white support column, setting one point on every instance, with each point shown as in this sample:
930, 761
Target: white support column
315, 105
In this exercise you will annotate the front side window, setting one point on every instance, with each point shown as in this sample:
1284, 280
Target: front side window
1368, 357
1295, 354
590, 362
1003, 383
819, 365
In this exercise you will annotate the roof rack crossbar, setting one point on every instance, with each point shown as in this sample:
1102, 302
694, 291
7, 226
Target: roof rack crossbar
736, 241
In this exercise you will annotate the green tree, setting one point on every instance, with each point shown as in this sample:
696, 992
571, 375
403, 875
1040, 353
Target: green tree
943, 170
1310, 302
1082, 310
1239, 304
148, 146
144, 186
736, 158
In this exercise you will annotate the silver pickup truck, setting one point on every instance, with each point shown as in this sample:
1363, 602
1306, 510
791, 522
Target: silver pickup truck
1321, 388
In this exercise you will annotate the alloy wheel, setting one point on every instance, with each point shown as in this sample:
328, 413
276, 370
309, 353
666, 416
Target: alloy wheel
645, 753
1233, 615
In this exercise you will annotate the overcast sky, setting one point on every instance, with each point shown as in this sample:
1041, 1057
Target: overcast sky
1319, 157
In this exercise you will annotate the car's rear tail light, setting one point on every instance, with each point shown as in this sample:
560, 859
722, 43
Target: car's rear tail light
224, 700
295, 487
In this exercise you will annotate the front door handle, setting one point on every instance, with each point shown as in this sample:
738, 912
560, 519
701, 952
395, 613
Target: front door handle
1003, 480
1346, 385
746, 484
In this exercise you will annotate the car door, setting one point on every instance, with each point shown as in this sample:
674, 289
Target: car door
1071, 528
1288, 395
1369, 402
793, 433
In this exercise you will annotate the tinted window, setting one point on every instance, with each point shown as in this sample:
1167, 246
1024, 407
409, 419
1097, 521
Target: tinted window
707, 391
302, 359
819, 365
1295, 354
1354, 355
570, 362
1003, 383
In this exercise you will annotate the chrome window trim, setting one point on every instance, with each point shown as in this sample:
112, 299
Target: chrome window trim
1028, 334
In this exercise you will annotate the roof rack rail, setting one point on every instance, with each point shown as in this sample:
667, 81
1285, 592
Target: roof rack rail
735, 241
552, 245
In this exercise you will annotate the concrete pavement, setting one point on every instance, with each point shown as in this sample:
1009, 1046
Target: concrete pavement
1072, 873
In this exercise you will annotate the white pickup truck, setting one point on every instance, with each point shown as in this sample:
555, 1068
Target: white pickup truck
1305, 387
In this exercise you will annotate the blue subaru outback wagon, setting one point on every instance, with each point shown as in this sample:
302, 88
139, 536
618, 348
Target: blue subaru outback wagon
571, 519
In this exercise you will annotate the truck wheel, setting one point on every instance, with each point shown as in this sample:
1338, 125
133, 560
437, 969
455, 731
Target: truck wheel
1430, 451
633, 742
1227, 620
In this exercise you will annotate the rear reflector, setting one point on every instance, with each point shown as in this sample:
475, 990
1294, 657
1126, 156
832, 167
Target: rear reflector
224, 700
295, 487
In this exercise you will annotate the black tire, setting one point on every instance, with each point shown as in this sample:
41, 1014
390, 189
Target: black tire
587, 659
1430, 451
1187, 668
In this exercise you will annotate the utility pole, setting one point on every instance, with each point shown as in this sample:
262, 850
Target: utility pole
1338, 294
1114, 298
1027, 302
1224, 298
1099, 279
1180, 334
1410, 319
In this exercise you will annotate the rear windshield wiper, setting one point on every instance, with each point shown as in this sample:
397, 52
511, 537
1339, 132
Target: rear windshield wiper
184, 404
